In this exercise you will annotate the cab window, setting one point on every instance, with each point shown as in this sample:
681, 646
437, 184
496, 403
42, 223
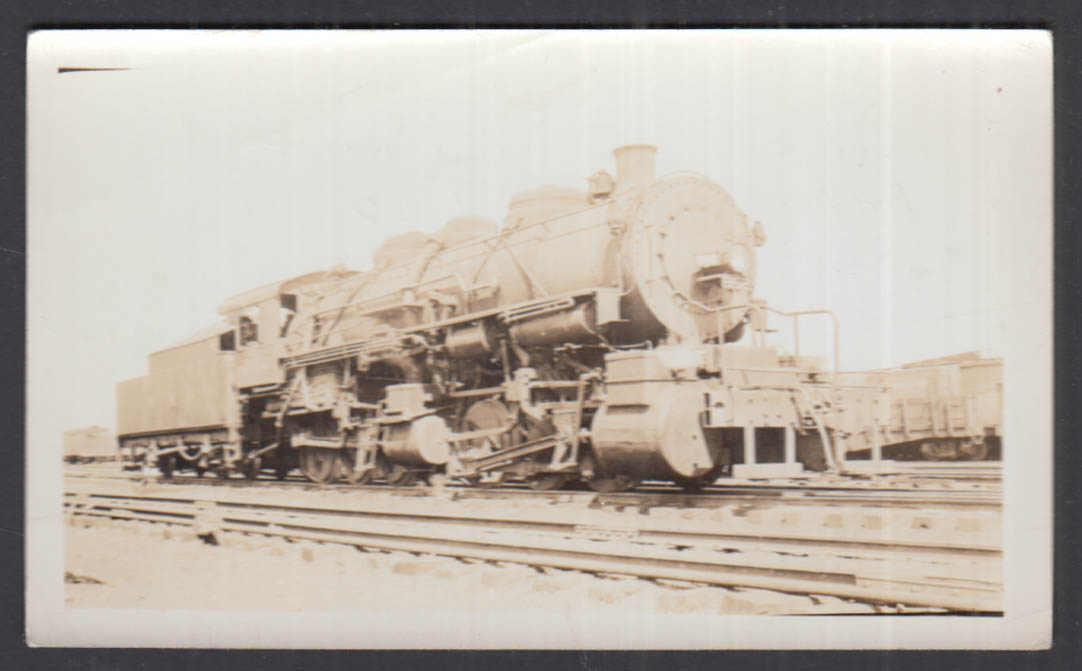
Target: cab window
286, 313
249, 326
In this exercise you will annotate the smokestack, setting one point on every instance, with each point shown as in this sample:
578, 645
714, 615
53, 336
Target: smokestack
634, 165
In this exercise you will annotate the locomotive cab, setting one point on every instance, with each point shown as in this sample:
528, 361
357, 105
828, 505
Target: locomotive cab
256, 337
260, 319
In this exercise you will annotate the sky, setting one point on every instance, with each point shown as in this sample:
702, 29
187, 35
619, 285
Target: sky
903, 178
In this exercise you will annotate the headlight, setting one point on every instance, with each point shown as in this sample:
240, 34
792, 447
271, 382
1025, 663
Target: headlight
738, 258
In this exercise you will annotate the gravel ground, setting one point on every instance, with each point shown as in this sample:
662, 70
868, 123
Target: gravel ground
113, 564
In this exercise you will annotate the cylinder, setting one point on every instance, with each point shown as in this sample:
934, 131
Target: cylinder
422, 442
634, 165
662, 439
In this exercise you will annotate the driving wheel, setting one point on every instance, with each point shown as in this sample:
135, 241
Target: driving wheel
320, 464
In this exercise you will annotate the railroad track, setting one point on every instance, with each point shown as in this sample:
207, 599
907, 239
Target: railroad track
818, 491
925, 557
954, 470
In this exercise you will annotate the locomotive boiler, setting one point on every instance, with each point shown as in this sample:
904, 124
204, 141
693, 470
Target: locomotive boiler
593, 336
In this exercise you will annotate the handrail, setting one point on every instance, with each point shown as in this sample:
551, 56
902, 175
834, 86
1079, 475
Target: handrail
796, 323
393, 294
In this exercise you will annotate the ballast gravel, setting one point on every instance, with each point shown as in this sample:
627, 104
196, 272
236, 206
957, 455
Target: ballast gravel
117, 564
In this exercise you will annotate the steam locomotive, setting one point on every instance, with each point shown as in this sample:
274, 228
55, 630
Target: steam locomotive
594, 337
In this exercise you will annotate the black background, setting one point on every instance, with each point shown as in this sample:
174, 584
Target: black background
18, 18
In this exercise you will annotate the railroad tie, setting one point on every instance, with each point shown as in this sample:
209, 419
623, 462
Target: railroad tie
208, 519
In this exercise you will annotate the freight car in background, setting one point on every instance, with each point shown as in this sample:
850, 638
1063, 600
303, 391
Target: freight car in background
938, 406
607, 336
90, 444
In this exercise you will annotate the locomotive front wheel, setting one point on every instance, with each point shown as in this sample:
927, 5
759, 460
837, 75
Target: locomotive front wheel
547, 482
320, 465
252, 467
399, 476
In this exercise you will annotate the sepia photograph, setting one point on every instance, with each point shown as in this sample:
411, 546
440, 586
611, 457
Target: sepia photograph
572, 339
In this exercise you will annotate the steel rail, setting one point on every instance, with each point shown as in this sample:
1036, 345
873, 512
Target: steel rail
649, 495
909, 482
643, 497
889, 572
653, 530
